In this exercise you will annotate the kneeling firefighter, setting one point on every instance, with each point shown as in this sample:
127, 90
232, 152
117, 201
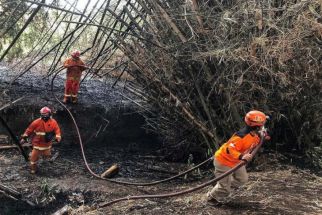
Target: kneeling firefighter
237, 148
42, 131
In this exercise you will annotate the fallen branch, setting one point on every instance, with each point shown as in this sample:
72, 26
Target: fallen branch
13, 146
14, 194
62, 211
26, 145
11, 103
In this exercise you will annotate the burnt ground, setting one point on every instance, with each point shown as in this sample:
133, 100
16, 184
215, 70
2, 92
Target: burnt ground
273, 188
112, 133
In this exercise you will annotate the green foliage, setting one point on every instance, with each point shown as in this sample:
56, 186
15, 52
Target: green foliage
47, 189
10, 11
42, 33
13, 17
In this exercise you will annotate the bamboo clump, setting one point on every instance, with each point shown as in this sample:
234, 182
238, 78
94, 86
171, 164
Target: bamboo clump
199, 66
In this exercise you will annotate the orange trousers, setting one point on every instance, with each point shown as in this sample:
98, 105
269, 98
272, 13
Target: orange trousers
71, 88
35, 155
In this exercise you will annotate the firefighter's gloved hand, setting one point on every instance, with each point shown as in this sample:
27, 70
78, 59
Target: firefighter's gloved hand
267, 137
23, 140
264, 133
58, 139
246, 157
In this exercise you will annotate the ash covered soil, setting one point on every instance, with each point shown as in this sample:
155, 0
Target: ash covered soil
36, 88
275, 186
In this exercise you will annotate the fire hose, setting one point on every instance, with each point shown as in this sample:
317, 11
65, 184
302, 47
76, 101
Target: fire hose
173, 194
165, 195
111, 180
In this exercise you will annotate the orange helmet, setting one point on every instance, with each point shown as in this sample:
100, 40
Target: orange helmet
75, 54
255, 118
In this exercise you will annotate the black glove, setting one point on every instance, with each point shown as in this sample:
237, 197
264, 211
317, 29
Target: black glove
23, 139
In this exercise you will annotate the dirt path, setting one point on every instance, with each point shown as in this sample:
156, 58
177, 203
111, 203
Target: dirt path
272, 189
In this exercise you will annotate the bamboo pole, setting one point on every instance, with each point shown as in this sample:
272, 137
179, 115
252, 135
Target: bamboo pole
21, 14
195, 8
29, 20
176, 100
13, 13
13, 146
42, 3
101, 22
55, 62
171, 23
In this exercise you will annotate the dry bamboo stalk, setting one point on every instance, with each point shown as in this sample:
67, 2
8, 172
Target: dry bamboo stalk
144, 6
13, 146
171, 23
136, 93
135, 102
233, 109
184, 109
18, 17
53, 7
195, 8
154, 18
4, 147
55, 62
204, 105
10, 191
136, 10
132, 19
101, 22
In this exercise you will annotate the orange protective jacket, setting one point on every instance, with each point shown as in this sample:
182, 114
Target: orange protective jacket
74, 68
37, 130
230, 153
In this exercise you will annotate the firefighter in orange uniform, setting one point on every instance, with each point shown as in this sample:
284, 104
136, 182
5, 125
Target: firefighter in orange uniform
42, 131
75, 66
237, 148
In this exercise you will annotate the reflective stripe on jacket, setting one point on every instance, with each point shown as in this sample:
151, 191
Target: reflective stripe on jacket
229, 153
74, 68
37, 130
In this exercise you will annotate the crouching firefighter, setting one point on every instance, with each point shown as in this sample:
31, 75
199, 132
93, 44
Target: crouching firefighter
42, 131
237, 148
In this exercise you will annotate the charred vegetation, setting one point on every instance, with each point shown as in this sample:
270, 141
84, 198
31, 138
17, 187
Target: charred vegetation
172, 79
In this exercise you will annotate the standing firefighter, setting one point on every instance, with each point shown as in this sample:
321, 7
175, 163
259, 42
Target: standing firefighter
42, 131
237, 148
75, 66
